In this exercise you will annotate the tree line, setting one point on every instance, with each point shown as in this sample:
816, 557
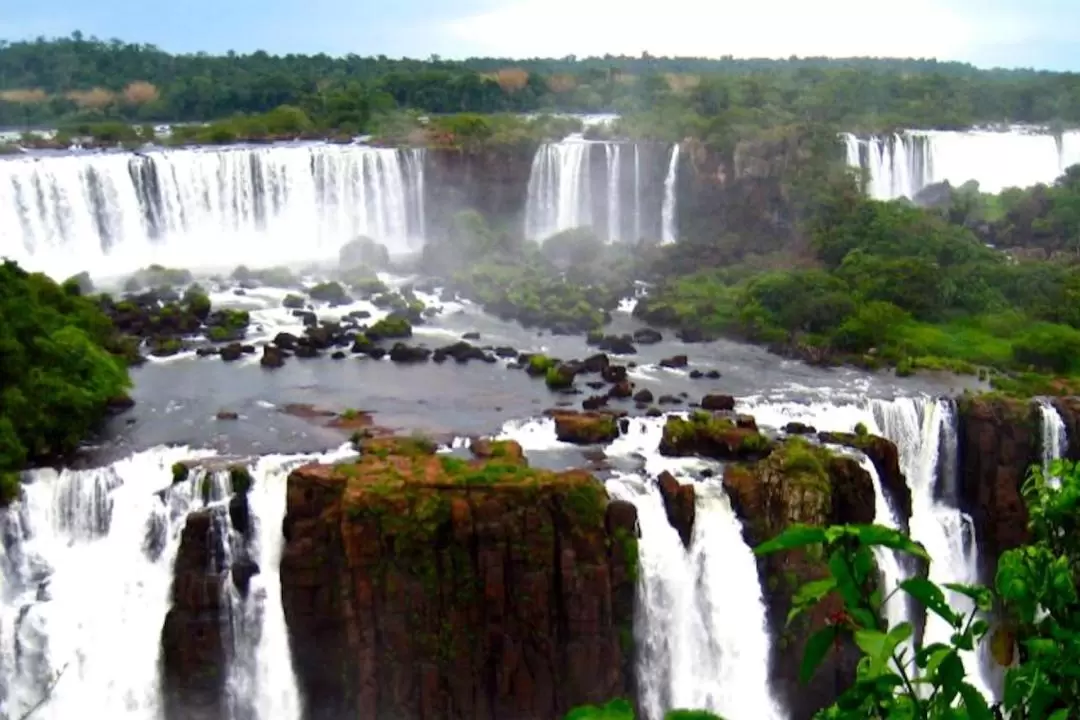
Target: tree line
79, 79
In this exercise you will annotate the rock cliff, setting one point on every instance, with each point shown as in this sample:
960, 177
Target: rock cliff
998, 441
800, 483
427, 586
193, 638
493, 181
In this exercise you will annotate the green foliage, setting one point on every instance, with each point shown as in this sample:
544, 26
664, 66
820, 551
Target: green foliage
393, 325
180, 472
240, 479
622, 710
56, 376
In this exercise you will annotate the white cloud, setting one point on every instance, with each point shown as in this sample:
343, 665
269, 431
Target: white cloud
711, 28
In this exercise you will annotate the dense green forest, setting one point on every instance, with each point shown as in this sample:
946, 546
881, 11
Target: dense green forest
56, 375
78, 79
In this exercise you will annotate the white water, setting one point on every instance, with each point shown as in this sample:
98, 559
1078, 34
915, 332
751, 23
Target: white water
924, 431
1055, 438
116, 212
87, 571
563, 194
668, 223
86, 574
902, 164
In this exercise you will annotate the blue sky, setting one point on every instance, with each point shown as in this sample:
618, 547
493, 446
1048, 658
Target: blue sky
988, 32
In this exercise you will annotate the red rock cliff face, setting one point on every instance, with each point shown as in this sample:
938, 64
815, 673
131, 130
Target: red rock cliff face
416, 586
800, 484
192, 640
999, 440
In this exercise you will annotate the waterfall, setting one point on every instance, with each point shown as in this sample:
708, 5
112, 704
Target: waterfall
637, 194
111, 213
667, 213
86, 569
902, 164
563, 194
700, 624
559, 196
1055, 437
924, 431
614, 217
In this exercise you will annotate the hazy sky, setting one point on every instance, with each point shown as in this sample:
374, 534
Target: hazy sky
985, 32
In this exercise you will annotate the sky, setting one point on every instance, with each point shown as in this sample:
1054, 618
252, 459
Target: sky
988, 33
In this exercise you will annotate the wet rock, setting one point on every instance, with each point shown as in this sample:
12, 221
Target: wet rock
712, 436
232, 352
294, 302
614, 373
675, 362
308, 318
621, 390
643, 396
718, 402
584, 428
669, 400
228, 415
647, 336
713, 374
798, 428
505, 352
471, 336
679, 505
285, 341
272, 357
596, 363
402, 353
696, 374
337, 355
306, 351
594, 402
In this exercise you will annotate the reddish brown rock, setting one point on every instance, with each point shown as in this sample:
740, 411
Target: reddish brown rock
800, 483
999, 440
584, 428
193, 640
424, 586
886, 459
679, 504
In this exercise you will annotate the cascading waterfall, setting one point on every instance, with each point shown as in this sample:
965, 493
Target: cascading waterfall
667, 212
86, 571
86, 565
614, 167
924, 431
115, 212
701, 630
559, 193
902, 164
1055, 438
563, 193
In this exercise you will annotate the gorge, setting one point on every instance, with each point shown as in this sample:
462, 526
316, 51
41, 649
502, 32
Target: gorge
150, 591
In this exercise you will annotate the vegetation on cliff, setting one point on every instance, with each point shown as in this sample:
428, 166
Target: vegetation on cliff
56, 376
889, 283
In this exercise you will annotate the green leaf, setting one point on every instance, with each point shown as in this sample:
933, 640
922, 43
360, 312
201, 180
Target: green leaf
950, 677
931, 596
808, 594
890, 538
975, 703
879, 646
1062, 714
816, 648
795, 536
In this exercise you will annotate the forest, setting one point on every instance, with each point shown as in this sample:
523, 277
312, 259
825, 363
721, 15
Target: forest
73, 80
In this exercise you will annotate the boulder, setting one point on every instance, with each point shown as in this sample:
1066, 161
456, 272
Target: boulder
718, 402
363, 252
712, 436
584, 428
272, 357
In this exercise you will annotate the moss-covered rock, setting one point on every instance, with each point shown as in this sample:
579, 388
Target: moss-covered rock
157, 276
714, 436
406, 568
330, 292
800, 482
679, 505
584, 428
393, 326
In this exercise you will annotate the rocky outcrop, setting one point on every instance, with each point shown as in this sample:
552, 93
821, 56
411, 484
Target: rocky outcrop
714, 436
428, 586
584, 428
998, 441
193, 638
885, 456
679, 505
800, 483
